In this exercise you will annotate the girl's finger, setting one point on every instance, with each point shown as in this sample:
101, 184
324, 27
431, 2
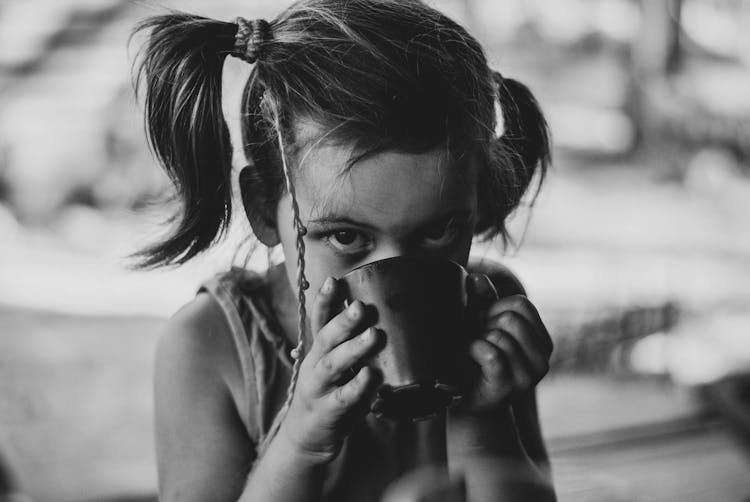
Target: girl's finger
520, 370
481, 295
523, 307
355, 390
348, 323
336, 364
496, 376
326, 304
523, 332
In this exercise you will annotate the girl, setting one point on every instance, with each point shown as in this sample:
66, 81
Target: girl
369, 126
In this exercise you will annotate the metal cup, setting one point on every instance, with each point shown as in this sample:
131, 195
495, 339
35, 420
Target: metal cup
421, 306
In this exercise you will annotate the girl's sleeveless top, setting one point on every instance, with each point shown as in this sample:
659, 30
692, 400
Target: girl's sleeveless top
266, 364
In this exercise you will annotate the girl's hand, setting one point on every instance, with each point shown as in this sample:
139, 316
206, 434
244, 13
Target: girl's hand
512, 349
329, 394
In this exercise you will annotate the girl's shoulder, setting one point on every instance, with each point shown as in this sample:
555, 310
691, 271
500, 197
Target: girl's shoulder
219, 338
202, 411
198, 340
234, 284
505, 281
210, 322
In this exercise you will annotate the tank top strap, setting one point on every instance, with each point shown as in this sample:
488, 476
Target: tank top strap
262, 350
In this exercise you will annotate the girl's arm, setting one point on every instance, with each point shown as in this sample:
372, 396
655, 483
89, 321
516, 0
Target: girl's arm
203, 450
488, 451
526, 418
524, 406
512, 433
495, 438
285, 474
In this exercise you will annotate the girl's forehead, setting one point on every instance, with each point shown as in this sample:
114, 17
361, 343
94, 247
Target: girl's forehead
385, 185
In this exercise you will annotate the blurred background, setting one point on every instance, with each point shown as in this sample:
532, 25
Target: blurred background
637, 252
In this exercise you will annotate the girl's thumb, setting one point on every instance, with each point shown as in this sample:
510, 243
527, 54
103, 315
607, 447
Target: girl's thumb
481, 293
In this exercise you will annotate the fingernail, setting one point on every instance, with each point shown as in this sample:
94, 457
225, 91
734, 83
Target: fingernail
480, 280
362, 374
370, 334
355, 310
328, 285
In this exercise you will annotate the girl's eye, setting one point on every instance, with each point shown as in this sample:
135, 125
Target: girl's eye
347, 241
441, 234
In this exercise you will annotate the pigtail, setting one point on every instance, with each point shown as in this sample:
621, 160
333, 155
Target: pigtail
181, 68
515, 157
526, 134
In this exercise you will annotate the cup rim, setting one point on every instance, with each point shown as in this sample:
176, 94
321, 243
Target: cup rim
418, 259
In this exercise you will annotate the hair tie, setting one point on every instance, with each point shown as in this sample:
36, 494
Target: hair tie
250, 35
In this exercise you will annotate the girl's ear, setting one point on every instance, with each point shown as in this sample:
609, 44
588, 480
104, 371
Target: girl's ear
260, 216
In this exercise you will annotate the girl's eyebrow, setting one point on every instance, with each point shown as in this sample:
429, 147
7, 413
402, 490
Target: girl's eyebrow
338, 220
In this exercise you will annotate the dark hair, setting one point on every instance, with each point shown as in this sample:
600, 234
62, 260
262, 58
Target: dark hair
374, 74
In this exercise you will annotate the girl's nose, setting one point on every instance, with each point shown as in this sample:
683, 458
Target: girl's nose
386, 251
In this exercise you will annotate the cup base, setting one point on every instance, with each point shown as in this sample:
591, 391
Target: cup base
417, 401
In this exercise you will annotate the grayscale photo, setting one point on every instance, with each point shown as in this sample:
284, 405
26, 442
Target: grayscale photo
374, 251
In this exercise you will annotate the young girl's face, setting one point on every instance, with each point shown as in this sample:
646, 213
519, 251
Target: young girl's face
386, 205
